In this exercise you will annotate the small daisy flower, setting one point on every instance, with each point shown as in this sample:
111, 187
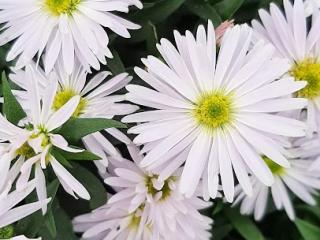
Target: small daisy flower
302, 182
38, 137
8, 200
145, 207
216, 115
65, 29
289, 34
96, 101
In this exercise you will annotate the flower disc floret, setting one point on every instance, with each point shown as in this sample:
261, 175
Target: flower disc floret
214, 110
59, 7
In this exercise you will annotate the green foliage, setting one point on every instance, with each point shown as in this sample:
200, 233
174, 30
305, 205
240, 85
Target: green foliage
11, 107
76, 128
243, 224
307, 229
92, 183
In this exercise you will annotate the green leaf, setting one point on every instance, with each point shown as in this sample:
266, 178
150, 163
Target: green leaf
51, 225
115, 64
243, 224
59, 157
81, 156
227, 8
220, 232
31, 225
307, 230
76, 128
94, 185
11, 107
205, 11
151, 38
159, 11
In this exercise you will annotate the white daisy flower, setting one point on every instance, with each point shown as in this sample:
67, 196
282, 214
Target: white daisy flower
37, 138
309, 149
145, 207
311, 6
65, 29
215, 114
298, 179
96, 101
299, 44
8, 200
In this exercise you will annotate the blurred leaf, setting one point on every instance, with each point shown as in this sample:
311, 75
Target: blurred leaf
307, 230
81, 156
151, 38
204, 10
115, 64
59, 157
76, 128
220, 232
93, 184
50, 224
31, 225
158, 12
243, 224
11, 107
227, 8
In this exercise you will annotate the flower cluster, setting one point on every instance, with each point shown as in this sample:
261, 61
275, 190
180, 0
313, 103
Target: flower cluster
231, 113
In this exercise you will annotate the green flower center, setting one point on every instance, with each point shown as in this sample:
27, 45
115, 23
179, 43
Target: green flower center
26, 150
275, 168
7, 232
64, 96
214, 110
166, 190
309, 71
58, 7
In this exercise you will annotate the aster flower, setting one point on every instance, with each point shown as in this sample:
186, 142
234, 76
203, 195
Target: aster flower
8, 200
96, 101
215, 115
144, 207
37, 137
299, 44
66, 29
298, 179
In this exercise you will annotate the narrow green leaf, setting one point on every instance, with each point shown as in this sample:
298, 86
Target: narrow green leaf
205, 11
151, 38
76, 128
94, 185
81, 156
31, 225
220, 232
63, 225
243, 224
307, 230
227, 8
11, 107
159, 12
59, 157
115, 64
50, 224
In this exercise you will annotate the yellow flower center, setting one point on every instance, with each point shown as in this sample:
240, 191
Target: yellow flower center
26, 151
214, 110
64, 96
275, 168
166, 190
59, 7
309, 71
